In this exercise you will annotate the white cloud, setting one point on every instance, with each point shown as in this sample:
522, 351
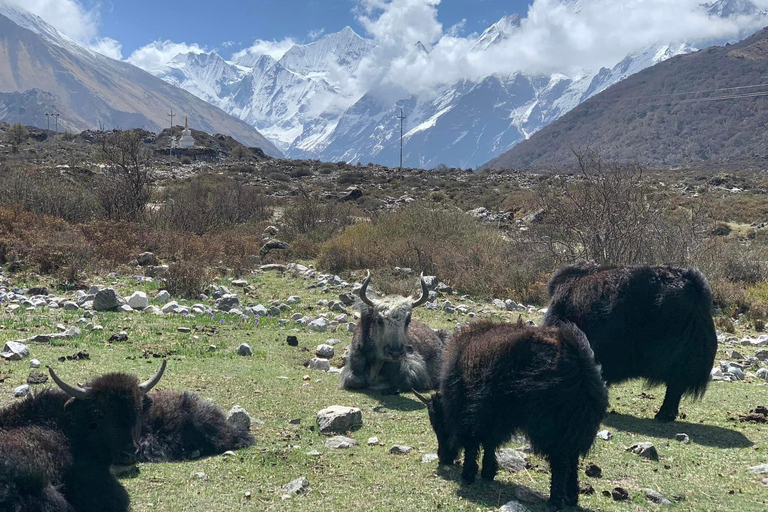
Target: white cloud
314, 34
228, 44
275, 49
154, 56
108, 47
68, 16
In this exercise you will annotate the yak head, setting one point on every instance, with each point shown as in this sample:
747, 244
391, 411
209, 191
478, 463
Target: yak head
104, 415
388, 320
447, 447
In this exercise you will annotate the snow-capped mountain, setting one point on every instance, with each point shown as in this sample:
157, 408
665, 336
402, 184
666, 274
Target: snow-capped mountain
302, 101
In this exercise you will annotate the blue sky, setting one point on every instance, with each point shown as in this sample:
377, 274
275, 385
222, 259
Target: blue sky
212, 23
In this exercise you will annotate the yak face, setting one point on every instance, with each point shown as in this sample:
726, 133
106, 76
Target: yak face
105, 416
447, 447
388, 320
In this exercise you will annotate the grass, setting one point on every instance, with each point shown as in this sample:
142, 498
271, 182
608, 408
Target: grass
708, 474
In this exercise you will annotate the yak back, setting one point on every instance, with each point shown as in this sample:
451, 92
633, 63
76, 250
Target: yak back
642, 321
539, 380
181, 426
44, 408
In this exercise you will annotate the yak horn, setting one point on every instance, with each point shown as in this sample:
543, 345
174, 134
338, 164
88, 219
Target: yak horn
364, 293
74, 392
421, 397
145, 387
520, 321
424, 293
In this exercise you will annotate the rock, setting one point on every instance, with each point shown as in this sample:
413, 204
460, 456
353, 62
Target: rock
759, 470
240, 283
428, 457
37, 378
619, 494
593, 471
162, 296
138, 300
274, 267
373, 441
762, 373
70, 306
353, 194
319, 364
107, 300
318, 325
184, 330
646, 450
200, 475
294, 299
324, 351
239, 417
605, 435
683, 438
244, 350
14, 351
511, 460
339, 419
296, 487
21, 391
735, 355
400, 449
119, 336
227, 303
514, 506
313, 453
292, 341
147, 258
762, 355
656, 497
34, 363
340, 443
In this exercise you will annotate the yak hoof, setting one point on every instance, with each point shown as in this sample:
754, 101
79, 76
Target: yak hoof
390, 391
554, 505
488, 476
467, 479
665, 417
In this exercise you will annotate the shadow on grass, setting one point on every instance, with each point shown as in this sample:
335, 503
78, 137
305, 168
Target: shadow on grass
397, 402
706, 435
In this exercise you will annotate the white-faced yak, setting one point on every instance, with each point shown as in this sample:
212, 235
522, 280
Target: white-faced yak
57, 446
642, 322
389, 351
502, 379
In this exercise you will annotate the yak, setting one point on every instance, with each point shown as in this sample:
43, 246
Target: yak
57, 446
389, 351
501, 379
642, 322
182, 426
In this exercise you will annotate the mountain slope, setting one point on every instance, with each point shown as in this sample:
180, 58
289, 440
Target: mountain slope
657, 118
99, 90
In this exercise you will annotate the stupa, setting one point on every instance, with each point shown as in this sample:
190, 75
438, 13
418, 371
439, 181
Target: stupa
186, 140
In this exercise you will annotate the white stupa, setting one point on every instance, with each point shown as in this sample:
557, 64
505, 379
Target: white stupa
186, 140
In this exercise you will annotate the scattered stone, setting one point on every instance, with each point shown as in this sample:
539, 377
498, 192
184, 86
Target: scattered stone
400, 449
324, 351
146, 259
107, 300
70, 306
200, 475
34, 363
511, 460
646, 450
244, 350
314, 453
227, 303
295, 421
514, 506
162, 296
184, 330
373, 441
762, 355
762, 469
340, 443
605, 435
239, 417
138, 300
37, 378
318, 325
296, 487
619, 494
593, 471
118, 336
735, 355
656, 497
339, 419
14, 351
586, 489
240, 283
683, 438
528, 495
429, 457
21, 391
319, 364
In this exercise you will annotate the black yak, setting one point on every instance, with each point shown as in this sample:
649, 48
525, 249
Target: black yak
57, 446
649, 322
388, 350
502, 379
183, 426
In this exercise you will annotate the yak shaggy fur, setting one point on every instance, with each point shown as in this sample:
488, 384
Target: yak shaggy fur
389, 351
183, 426
502, 379
642, 322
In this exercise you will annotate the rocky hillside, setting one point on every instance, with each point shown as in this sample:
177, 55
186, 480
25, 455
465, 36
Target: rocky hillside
705, 108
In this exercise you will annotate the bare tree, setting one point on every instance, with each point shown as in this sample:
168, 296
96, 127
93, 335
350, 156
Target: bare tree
127, 183
16, 135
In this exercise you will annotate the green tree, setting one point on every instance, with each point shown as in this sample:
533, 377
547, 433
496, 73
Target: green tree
16, 135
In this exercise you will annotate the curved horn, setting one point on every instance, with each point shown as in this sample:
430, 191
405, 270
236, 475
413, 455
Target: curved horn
421, 397
424, 293
148, 385
74, 392
363, 291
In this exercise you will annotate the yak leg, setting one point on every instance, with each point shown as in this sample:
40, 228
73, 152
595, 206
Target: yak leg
490, 464
559, 468
669, 408
572, 481
469, 468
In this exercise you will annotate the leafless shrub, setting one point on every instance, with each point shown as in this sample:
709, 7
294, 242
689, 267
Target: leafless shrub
126, 185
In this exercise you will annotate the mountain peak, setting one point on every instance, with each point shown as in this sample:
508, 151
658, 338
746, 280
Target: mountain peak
730, 8
499, 31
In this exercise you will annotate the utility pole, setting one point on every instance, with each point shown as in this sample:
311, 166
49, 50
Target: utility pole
401, 117
48, 120
57, 123
170, 142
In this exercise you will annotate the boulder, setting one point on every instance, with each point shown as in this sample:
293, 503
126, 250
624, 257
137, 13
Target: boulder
14, 351
338, 419
239, 417
646, 450
146, 259
340, 443
138, 300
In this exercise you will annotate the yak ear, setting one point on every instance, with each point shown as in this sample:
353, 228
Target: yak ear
520, 320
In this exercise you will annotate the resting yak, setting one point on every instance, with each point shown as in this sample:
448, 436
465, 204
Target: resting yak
649, 322
499, 379
388, 350
57, 446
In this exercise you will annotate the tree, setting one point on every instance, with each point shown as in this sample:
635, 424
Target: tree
126, 184
16, 135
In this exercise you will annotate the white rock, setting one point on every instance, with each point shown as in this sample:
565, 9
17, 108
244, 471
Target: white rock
163, 296
340, 443
15, 351
298, 486
21, 391
319, 364
170, 307
138, 300
429, 457
318, 325
339, 419
34, 363
373, 441
244, 350
514, 506
239, 417
325, 351
605, 435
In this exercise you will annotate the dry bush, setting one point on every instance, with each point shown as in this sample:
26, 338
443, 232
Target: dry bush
469, 255
186, 279
309, 222
126, 184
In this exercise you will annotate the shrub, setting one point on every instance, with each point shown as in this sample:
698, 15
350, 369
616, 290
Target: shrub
186, 279
16, 135
126, 185
279, 176
351, 178
301, 172
186, 160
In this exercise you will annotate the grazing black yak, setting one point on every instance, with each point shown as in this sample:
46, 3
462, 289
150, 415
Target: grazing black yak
649, 322
183, 426
502, 379
57, 446
388, 350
